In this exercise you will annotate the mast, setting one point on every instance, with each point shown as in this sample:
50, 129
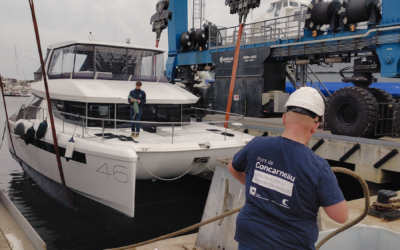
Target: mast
16, 64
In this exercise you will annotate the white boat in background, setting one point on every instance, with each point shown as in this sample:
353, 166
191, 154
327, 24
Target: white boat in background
89, 83
25, 93
293, 10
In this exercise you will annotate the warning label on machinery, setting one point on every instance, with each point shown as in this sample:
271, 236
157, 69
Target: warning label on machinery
273, 182
236, 97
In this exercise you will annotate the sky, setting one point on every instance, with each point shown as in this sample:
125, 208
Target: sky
65, 20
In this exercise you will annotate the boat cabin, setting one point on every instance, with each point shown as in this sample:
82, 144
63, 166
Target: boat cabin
283, 8
93, 79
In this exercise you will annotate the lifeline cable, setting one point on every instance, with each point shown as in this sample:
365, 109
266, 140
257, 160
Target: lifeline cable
55, 141
323, 241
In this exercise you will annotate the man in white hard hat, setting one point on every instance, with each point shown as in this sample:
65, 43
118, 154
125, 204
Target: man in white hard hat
286, 183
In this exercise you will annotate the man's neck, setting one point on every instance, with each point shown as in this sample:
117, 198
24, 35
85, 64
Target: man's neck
297, 136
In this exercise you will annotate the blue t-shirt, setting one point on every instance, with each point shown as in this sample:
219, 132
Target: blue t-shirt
138, 95
286, 183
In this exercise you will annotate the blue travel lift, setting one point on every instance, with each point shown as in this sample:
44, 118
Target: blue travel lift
358, 111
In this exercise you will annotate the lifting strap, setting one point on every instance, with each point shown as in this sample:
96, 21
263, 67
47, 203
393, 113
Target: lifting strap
233, 78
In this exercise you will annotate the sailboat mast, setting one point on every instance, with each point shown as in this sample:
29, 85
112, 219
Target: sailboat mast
16, 63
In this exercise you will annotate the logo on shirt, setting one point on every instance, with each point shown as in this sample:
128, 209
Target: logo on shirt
284, 202
140, 95
253, 190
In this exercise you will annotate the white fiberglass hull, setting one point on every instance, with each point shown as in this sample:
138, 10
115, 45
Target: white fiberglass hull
105, 172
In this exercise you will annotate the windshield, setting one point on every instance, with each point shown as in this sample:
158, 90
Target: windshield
271, 8
107, 63
294, 4
278, 9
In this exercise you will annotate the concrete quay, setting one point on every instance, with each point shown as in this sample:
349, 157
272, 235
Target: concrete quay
15, 231
356, 207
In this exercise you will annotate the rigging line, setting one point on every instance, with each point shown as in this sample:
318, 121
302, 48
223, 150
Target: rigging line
205, 164
90, 136
159, 178
53, 129
16, 60
5, 126
5, 110
76, 124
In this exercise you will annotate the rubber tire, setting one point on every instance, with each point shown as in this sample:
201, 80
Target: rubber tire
397, 121
383, 96
363, 101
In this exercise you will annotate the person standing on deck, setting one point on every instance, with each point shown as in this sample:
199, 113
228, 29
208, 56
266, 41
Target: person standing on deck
286, 183
140, 96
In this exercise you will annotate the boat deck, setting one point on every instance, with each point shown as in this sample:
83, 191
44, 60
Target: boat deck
195, 133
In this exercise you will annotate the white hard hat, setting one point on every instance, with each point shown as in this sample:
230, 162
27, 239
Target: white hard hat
307, 98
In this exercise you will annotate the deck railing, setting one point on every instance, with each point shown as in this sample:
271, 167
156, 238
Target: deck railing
83, 120
268, 31
265, 32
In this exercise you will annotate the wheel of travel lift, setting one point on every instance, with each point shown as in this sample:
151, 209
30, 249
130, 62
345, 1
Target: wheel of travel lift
396, 118
350, 111
383, 96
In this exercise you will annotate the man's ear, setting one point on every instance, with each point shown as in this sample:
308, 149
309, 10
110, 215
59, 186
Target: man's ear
284, 119
314, 128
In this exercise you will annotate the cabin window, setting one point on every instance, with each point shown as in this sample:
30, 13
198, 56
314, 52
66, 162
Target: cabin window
285, 4
30, 110
186, 112
278, 9
271, 8
102, 111
154, 113
294, 4
62, 62
162, 112
111, 63
75, 108
84, 64
123, 113
107, 63
169, 113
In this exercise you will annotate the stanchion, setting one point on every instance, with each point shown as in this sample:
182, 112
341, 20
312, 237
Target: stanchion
5, 109
53, 130
233, 79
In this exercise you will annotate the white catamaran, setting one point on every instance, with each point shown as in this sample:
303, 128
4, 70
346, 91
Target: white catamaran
89, 83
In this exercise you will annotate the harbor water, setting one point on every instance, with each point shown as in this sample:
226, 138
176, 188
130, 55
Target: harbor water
161, 207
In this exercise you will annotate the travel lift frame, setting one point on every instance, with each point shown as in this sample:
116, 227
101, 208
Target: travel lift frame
375, 160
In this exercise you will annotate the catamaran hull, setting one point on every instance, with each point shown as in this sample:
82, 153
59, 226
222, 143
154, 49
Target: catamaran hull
164, 164
103, 186
84, 205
